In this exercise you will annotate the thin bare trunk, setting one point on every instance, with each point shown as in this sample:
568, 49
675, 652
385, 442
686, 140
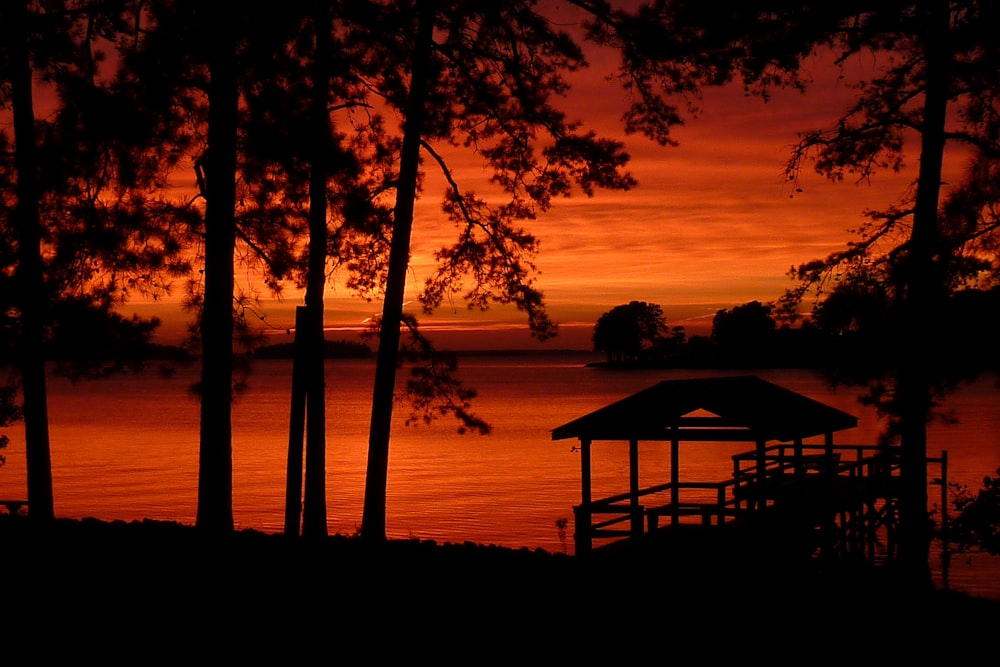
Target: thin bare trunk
296, 430
373, 516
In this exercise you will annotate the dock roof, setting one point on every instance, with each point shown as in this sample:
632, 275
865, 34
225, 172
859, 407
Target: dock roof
738, 408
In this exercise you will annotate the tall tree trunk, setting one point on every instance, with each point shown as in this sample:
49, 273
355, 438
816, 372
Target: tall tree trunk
215, 474
314, 512
31, 299
373, 516
923, 283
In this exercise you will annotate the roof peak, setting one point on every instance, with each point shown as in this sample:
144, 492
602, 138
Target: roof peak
761, 409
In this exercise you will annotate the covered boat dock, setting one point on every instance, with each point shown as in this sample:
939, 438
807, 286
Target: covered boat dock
796, 479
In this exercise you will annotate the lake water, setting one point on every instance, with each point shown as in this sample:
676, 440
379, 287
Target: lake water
127, 448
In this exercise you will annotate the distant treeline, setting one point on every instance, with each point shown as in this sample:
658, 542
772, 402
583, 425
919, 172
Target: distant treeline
965, 332
808, 347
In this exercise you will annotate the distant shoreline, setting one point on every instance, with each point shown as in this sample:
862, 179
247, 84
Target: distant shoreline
342, 349
521, 353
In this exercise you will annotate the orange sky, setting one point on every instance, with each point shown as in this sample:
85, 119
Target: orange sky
711, 225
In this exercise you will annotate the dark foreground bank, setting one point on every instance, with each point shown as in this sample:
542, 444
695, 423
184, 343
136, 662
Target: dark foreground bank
143, 590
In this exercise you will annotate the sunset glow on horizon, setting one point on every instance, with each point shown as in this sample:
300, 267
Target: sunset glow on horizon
713, 223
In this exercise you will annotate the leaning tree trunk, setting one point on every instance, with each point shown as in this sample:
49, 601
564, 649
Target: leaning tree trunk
31, 298
215, 473
373, 515
923, 287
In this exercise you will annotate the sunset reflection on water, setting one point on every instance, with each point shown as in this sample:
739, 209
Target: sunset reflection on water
126, 448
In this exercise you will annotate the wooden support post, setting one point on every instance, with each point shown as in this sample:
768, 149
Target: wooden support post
800, 469
828, 467
721, 500
675, 457
633, 488
944, 500
583, 537
761, 473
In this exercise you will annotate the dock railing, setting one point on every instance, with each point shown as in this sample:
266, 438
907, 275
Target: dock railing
760, 478
625, 515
